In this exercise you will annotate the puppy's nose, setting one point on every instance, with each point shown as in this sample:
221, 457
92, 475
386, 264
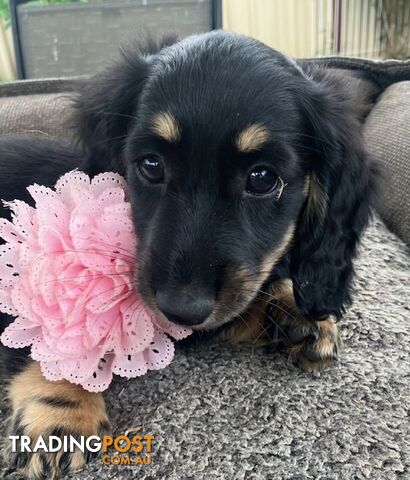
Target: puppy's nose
185, 307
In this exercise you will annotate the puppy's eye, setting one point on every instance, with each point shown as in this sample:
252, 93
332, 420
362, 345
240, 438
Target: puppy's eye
152, 168
261, 181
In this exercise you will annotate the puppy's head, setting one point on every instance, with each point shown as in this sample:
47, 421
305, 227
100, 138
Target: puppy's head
235, 160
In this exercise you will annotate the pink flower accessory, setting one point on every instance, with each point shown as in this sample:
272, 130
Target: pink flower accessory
67, 275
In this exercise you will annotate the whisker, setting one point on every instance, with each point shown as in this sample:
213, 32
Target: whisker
272, 320
93, 297
116, 114
279, 307
99, 275
270, 300
111, 139
112, 247
264, 329
71, 251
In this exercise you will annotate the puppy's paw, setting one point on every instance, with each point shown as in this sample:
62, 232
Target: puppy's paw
313, 345
43, 465
42, 408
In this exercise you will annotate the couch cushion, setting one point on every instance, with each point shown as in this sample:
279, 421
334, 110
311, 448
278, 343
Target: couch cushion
35, 114
37, 107
387, 135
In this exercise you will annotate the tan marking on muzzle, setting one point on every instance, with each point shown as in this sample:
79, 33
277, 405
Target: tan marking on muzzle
244, 286
248, 329
273, 257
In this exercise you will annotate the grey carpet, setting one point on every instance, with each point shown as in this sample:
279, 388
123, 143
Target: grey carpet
239, 413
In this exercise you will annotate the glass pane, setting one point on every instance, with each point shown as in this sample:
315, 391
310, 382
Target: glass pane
78, 37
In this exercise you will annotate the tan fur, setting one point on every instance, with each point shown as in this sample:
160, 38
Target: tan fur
36, 467
328, 333
245, 278
283, 291
29, 386
252, 325
249, 329
306, 186
83, 413
252, 138
285, 319
165, 126
273, 257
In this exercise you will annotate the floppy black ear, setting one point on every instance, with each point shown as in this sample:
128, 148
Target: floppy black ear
107, 103
339, 183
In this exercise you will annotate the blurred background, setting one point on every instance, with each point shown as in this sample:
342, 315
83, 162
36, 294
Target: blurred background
52, 38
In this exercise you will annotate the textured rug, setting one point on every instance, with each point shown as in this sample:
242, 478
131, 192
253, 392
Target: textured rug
223, 412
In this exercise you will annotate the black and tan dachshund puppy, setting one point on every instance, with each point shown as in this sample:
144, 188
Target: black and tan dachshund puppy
251, 189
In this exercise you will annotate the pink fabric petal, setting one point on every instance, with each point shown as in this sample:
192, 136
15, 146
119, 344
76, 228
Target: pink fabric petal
71, 187
176, 331
67, 274
22, 217
78, 370
99, 325
119, 209
41, 194
19, 337
105, 181
52, 241
130, 366
9, 232
69, 181
137, 330
9, 265
110, 196
160, 352
6, 305
51, 370
21, 302
42, 353
99, 380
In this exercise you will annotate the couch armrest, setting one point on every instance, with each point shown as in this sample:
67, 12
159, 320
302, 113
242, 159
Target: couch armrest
387, 136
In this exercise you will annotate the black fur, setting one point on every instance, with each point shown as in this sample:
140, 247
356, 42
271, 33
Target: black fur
201, 226
107, 104
26, 159
322, 258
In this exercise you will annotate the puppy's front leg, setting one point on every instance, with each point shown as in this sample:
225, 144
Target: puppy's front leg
274, 317
40, 407
312, 344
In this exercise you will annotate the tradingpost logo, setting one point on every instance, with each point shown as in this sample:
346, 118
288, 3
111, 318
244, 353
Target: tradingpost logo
118, 450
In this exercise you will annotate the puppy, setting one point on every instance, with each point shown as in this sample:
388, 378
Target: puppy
251, 189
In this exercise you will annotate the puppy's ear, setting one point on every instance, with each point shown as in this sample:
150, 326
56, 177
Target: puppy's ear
338, 188
107, 103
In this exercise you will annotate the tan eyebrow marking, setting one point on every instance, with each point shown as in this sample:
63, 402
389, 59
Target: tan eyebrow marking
252, 137
165, 125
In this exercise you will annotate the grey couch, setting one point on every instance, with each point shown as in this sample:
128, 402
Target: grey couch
236, 412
